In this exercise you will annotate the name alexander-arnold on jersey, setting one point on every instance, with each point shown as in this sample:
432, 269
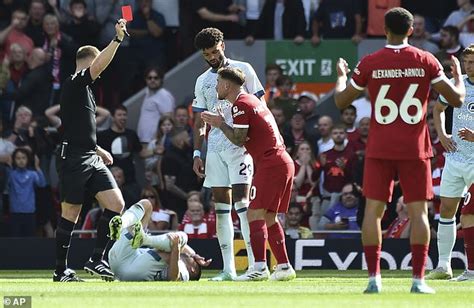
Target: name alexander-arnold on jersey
398, 73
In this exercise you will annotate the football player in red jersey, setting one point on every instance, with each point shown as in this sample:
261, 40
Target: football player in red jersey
255, 128
398, 78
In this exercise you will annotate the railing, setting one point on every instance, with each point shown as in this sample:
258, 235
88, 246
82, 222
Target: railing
93, 232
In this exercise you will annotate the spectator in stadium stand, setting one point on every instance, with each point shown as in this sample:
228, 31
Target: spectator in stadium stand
450, 46
15, 33
158, 102
178, 172
250, 15
20, 134
280, 119
325, 142
181, 119
293, 227
338, 19
419, 38
306, 168
34, 91
348, 116
456, 17
21, 191
155, 150
307, 102
400, 227
296, 134
209, 211
161, 218
359, 148
82, 29
147, 37
363, 106
337, 165
343, 214
6, 151
130, 192
36, 11
285, 100
221, 14
375, 16
12, 70
121, 142
272, 72
467, 38
61, 50
198, 227
280, 20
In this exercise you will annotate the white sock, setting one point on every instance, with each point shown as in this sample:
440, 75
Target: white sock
446, 240
418, 281
258, 266
376, 278
283, 266
161, 242
225, 235
241, 209
132, 215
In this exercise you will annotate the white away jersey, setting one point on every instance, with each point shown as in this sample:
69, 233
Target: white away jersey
206, 99
463, 117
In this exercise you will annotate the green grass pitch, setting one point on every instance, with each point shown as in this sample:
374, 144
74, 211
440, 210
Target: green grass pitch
321, 288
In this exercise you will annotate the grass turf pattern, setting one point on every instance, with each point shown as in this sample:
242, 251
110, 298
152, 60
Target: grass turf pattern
321, 288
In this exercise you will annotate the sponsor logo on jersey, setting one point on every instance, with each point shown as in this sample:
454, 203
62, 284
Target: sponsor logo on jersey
470, 107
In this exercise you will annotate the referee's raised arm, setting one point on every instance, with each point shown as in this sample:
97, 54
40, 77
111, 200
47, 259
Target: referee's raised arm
107, 54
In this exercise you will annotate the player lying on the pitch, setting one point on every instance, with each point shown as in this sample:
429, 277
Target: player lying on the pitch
169, 258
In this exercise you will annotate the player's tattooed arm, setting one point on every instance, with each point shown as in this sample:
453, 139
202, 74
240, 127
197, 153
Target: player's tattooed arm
237, 136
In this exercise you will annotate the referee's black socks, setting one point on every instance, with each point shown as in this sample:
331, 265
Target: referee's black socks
63, 241
102, 234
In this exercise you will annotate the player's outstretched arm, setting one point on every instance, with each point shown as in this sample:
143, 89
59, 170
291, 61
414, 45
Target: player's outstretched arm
173, 269
454, 94
344, 94
107, 54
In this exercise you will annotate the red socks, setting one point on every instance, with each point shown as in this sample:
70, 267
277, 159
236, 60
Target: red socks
469, 246
372, 257
276, 239
258, 239
419, 254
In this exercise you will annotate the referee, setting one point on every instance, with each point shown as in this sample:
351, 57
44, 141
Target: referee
81, 164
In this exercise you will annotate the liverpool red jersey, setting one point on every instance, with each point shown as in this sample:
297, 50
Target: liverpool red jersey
398, 79
264, 141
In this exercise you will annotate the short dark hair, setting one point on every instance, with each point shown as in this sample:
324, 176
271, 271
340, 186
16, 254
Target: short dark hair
176, 131
452, 30
208, 38
351, 107
232, 74
398, 20
273, 66
181, 107
469, 50
339, 126
294, 205
155, 69
119, 107
83, 2
87, 51
281, 80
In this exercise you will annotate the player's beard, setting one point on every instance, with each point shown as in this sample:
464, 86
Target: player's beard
218, 64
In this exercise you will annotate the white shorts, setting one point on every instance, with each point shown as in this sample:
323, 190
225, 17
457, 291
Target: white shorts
226, 168
130, 264
456, 178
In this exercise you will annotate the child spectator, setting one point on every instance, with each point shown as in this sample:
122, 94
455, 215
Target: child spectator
21, 190
293, 223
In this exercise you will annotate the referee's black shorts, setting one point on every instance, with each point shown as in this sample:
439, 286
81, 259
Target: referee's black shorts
81, 172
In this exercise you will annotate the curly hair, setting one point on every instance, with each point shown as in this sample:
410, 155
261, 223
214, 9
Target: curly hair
208, 38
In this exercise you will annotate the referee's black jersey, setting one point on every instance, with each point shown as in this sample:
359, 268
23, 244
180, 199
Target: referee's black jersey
78, 110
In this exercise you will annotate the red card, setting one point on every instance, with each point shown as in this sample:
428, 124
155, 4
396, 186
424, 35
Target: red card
127, 12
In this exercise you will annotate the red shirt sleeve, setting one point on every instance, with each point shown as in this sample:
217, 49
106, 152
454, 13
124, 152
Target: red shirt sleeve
435, 69
360, 77
241, 115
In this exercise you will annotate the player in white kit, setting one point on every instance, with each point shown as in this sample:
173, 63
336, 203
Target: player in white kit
168, 259
229, 168
458, 172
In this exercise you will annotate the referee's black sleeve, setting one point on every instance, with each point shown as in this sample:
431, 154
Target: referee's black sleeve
82, 78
